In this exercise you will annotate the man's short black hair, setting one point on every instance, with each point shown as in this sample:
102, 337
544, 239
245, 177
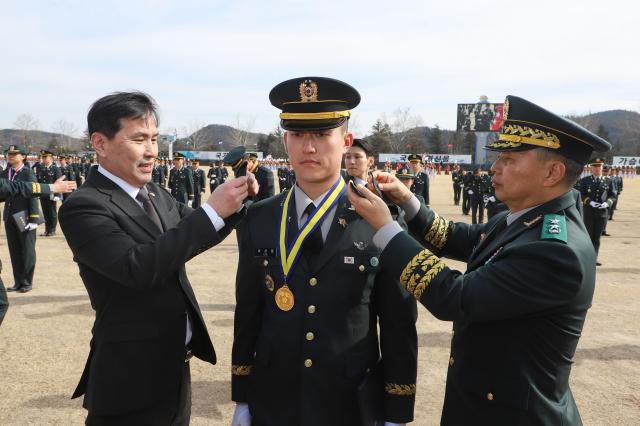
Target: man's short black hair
105, 114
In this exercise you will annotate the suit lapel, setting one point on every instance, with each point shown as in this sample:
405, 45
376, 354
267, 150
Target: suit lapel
161, 212
124, 202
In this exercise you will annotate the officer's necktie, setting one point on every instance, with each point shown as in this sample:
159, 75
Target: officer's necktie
143, 197
313, 244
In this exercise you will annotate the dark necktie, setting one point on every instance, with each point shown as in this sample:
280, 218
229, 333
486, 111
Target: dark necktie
143, 197
313, 244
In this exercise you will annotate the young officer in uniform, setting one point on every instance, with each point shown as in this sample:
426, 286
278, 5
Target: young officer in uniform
456, 179
263, 175
309, 293
519, 309
67, 170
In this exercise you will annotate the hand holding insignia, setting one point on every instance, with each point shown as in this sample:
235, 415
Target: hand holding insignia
371, 207
393, 189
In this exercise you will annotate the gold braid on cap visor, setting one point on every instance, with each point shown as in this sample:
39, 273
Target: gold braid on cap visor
314, 115
513, 135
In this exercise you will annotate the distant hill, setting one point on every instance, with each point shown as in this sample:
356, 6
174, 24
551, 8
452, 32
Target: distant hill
209, 137
36, 140
622, 127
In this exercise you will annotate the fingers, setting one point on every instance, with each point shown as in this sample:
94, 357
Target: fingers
61, 178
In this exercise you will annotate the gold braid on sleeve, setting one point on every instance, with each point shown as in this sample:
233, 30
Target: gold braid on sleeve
438, 232
240, 370
420, 271
397, 389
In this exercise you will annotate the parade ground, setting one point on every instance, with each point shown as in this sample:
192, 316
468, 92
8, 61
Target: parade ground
44, 340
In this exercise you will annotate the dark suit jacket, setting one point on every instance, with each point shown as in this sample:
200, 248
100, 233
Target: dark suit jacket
136, 280
340, 301
518, 311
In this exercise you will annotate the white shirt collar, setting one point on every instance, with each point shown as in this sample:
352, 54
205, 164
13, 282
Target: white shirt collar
126, 187
303, 200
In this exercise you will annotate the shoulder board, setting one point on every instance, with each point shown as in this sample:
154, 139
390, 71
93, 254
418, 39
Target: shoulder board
554, 227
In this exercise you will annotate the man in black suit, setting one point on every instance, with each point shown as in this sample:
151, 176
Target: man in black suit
131, 239
21, 239
519, 309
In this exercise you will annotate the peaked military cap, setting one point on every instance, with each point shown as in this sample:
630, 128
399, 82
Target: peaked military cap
405, 174
528, 126
235, 157
313, 103
178, 156
253, 155
597, 161
413, 158
17, 149
366, 146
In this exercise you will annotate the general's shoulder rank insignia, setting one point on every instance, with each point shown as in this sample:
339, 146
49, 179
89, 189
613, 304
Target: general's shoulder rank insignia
554, 227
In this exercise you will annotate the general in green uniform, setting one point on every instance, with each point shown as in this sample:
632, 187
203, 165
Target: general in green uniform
309, 292
520, 307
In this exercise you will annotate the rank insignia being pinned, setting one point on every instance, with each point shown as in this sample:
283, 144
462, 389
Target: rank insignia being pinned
342, 222
554, 228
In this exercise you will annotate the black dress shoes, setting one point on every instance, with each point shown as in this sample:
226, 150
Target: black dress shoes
15, 287
25, 289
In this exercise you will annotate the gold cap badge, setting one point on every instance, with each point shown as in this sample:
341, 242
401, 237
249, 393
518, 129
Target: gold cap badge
309, 91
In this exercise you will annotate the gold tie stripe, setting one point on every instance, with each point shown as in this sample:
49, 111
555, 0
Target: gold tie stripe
397, 389
438, 233
420, 271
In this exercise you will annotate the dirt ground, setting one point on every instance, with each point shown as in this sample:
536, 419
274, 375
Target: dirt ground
44, 340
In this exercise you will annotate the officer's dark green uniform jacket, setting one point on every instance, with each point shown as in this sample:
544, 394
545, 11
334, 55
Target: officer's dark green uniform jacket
181, 184
518, 311
23, 189
302, 367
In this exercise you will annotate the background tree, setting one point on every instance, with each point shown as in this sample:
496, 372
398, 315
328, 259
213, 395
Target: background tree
194, 137
67, 131
26, 124
380, 137
436, 144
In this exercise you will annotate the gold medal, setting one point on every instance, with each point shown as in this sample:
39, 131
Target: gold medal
284, 298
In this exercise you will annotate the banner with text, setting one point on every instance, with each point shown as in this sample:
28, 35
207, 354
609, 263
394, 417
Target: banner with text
429, 158
626, 161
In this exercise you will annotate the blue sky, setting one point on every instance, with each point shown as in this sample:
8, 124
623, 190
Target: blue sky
215, 62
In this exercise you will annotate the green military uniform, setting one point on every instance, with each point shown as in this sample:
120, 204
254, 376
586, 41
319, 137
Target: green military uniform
456, 180
48, 175
69, 172
264, 177
595, 192
181, 183
301, 350
21, 242
519, 309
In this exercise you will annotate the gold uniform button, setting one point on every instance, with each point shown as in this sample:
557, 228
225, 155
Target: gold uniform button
361, 268
313, 282
490, 396
310, 336
308, 363
311, 309
451, 361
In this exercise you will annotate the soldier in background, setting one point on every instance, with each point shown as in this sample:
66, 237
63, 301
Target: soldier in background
421, 181
21, 237
67, 171
157, 174
181, 180
263, 175
48, 173
493, 204
617, 179
597, 195
198, 183
478, 189
467, 183
283, 176
456, 179
214, 176
407, 177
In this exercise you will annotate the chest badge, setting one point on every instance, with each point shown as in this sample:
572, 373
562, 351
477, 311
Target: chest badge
269, 283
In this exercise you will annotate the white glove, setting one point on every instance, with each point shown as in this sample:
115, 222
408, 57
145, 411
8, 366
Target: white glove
31, 226
190, 203
241, 415
594, 204
470, 192
604, 205
492, 199
462, 185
